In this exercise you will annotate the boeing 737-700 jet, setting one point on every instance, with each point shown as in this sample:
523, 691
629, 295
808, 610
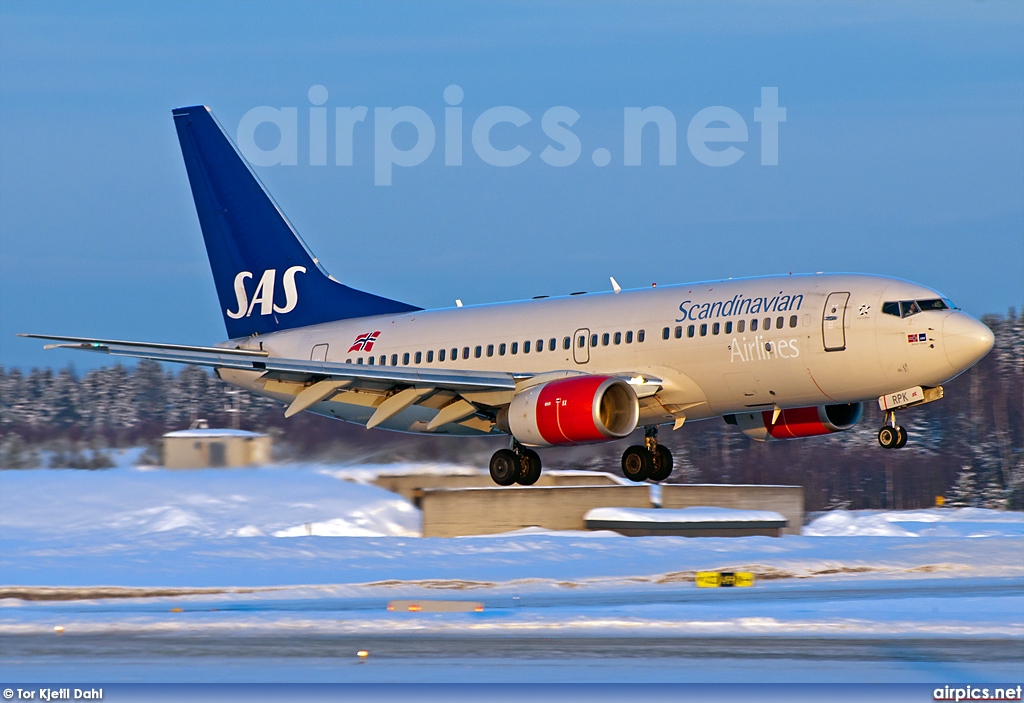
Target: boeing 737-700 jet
780, 357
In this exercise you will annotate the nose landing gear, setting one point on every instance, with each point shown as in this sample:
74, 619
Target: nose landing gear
652, 461
518, 464
892, 436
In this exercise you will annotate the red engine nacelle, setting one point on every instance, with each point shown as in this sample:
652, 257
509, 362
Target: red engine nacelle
798, 422
578, 410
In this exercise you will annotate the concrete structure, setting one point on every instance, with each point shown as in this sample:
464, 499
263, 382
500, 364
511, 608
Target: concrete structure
482, 511
687, 522
203, 447
786, 500
411, 486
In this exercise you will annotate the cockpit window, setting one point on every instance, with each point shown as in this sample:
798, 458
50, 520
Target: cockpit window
909, 307
906, 308
935, 304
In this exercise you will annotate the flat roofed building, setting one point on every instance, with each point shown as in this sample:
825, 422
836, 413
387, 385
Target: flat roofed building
203, 447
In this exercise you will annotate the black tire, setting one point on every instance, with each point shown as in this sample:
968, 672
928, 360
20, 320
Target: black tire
504, 467
637, 464
887, 437
901, 438
529, 468
662, 463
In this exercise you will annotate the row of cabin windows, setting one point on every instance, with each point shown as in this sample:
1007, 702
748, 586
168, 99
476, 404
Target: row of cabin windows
503, 348
610, 338
719, 328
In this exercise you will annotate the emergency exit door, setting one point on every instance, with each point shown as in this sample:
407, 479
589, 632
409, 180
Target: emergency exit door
833, 322
581, 346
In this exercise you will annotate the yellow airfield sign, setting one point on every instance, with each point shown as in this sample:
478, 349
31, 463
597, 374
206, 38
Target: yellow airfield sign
724, 579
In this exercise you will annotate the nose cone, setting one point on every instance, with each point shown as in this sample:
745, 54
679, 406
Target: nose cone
966, 340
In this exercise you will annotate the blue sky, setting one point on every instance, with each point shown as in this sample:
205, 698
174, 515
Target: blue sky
902, 152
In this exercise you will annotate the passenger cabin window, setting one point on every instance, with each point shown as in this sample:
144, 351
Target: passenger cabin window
526, 347
704, 330
465, 352
394, 359
640, 336
369, 361
715, 328
690, 331
553, 344
604, 339
440, 354
629, 337
430, 356
593, 340
753, 325
767, 323
728, 327
419, 357
780, 322
455, 354
383, 360
740, 326
665, 334
501, 349
566, 344
792, 320
490, 350
540, 345
515, 347
679, 332
359, 361
618, 337
581, 342
478, 351
405, 359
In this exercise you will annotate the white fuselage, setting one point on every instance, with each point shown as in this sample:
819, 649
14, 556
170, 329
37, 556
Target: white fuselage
784, 341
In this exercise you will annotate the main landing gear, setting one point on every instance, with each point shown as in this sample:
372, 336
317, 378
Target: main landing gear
892, 436
518, 464
652, 461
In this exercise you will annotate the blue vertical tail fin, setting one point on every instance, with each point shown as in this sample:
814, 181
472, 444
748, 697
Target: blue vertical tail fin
266, 278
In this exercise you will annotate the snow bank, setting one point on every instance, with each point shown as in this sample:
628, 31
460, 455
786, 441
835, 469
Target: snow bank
933, 522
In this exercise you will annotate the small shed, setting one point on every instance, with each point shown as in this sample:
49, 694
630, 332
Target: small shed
212, 447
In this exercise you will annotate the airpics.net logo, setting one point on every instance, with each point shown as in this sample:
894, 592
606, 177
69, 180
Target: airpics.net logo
715, 136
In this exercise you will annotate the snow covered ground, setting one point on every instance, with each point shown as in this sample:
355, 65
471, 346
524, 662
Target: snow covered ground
303, 551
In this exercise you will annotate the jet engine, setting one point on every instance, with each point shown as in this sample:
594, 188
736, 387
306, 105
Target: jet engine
798, 422
577, 410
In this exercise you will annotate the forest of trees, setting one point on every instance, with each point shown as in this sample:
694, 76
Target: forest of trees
968, 447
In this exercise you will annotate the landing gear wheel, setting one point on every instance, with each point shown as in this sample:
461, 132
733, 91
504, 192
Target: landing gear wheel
662, 463
901, 438
529, 468
505, 467
888, 437
637, 464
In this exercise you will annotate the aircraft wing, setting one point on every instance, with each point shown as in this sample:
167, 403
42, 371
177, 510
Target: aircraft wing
459, 395
292, 369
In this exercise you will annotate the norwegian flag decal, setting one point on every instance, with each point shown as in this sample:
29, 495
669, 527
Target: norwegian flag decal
364, 342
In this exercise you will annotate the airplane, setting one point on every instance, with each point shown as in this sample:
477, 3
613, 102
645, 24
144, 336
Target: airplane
779, 357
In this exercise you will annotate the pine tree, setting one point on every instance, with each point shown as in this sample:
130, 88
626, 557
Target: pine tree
964, 493
993, 496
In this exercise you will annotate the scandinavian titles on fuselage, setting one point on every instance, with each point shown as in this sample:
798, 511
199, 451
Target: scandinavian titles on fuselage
739, 305
760, 349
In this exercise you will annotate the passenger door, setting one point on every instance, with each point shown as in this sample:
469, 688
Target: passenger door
833, 322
